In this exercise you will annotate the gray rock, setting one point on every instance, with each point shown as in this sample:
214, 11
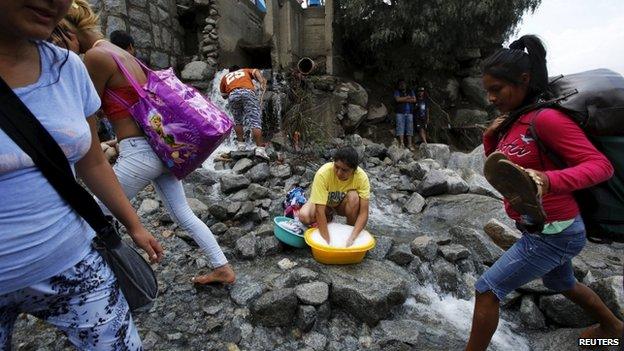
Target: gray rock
199, 208
404, 331
368, 290
465, 117
466, 266
246, 246
148, 207
218, 228
376, 150
477, 184
454, 252
159, 59
259, 172
306, 316
196, 70
416, 170
415, 204
275, 308
472, 87
564, 312
356, 94
502, 235
377, 114
382, 247
202, 177
425, 248
439, 152
231, 236
244, 291
114, 23
240, 196
246, 209
233, 182
281, 171
530, 314
268, 246
612, 294
448, 277
242, 165
315, 341
401, 254
473, 160
231, 333
444, 181
481, 246
535, 287
233, 207
218, 211
355, 116
397, 154
315, 293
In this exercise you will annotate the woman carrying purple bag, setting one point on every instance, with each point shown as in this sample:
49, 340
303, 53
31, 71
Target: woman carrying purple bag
138, 164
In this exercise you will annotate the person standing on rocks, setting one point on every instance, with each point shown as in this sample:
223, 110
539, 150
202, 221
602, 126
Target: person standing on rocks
138, 165
342, 187
404, 114
238, 87
538, 195
48, 265
421, 114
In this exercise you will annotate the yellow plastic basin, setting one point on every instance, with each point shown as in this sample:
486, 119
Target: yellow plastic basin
326, 254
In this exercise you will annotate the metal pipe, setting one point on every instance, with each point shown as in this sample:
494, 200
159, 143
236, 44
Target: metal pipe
306, 65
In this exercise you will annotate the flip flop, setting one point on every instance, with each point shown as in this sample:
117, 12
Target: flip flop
516, 185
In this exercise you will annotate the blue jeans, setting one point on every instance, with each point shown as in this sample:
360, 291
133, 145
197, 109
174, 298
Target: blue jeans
404, 124
137, 166
84, 302
548, 256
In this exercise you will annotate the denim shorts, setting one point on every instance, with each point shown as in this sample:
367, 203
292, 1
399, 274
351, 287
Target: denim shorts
548, 256
404, 124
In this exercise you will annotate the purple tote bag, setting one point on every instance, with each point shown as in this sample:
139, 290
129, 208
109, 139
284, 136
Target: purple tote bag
181, 126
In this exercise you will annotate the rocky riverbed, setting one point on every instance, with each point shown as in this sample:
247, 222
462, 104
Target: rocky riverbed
438, 225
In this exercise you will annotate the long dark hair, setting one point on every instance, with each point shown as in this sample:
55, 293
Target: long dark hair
509, 65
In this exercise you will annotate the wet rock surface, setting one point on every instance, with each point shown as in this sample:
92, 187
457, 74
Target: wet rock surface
413, 291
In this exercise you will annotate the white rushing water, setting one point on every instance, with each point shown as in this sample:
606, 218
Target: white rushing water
457, 313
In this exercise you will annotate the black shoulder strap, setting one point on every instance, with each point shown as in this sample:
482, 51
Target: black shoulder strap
27, 132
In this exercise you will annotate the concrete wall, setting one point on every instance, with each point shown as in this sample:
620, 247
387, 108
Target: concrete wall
240, 24
313, 36
152, 23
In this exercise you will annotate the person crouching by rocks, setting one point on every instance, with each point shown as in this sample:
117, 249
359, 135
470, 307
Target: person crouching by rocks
537, 194
342, 187
404, 114
137, 164
238, 87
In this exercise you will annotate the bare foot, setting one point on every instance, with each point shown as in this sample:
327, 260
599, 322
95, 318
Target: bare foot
224, 275
599, 332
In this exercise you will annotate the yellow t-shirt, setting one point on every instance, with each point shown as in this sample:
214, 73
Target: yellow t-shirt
328, 190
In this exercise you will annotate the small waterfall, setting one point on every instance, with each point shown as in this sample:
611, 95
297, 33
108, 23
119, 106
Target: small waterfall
214, 95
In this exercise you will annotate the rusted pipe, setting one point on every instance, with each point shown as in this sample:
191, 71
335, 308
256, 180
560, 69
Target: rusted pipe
306, 65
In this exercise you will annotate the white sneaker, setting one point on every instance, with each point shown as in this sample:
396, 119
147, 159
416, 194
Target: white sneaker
241, 146
261, 152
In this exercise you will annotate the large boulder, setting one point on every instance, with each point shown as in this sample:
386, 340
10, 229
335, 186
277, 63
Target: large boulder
356, 94
396, 154
368, 290
314, 293
424, 247
377, 113
197, 70
259, 172
472, 88
402, 331
233, 182
439, 152
481, 246
530, 314
473, 160
477, 184
355, 115
465, 117
565, 312
443, 181
611, 292
376, 150
275, 308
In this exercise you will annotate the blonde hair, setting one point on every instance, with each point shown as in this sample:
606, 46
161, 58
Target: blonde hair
82, 16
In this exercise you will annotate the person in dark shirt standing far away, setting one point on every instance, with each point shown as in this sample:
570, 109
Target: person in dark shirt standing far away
404, 117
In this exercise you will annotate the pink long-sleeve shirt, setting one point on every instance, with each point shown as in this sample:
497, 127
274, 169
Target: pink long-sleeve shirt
586, 166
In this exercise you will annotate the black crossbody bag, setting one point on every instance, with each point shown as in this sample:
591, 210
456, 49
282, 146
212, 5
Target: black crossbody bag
134, 275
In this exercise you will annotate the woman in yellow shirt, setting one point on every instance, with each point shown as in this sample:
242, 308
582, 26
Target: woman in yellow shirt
339, 186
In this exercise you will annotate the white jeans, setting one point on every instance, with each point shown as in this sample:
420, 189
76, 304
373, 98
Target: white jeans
137, 166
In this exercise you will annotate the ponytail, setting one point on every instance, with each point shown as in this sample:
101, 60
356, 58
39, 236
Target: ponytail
510, 64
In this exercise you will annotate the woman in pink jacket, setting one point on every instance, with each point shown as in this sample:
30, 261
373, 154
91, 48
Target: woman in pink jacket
538, 195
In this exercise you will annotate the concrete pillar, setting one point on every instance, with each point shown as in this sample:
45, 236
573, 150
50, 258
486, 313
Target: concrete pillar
329, 36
